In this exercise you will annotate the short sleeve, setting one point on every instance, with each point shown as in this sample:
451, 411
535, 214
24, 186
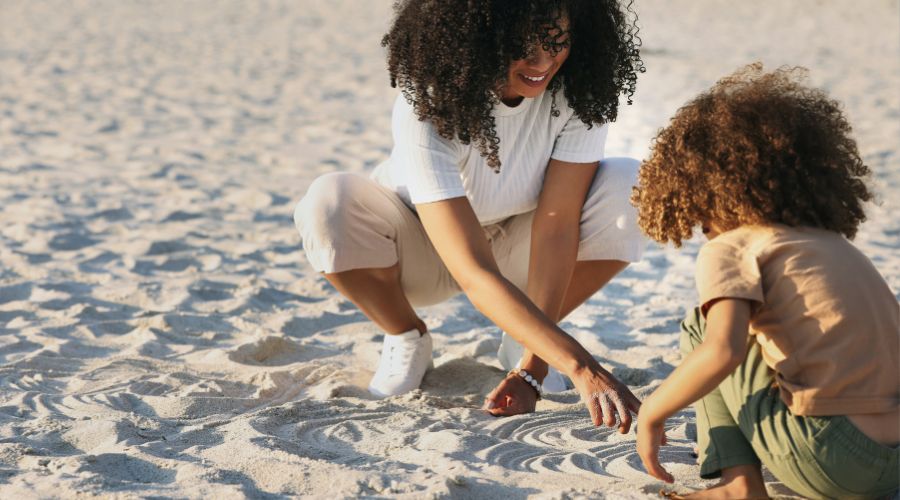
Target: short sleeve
725, 271
429, 163
577, 143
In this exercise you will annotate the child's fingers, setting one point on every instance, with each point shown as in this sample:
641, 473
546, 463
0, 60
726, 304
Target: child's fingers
651, 463
657, 471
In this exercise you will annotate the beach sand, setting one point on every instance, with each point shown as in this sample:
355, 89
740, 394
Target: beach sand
161, 334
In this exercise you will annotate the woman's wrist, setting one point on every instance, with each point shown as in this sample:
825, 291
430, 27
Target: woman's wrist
536, 366
580, 364
528, 379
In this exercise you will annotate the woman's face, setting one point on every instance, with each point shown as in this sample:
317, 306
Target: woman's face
530, 76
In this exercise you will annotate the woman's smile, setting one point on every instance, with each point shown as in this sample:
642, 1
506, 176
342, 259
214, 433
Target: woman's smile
533, 81
529, 77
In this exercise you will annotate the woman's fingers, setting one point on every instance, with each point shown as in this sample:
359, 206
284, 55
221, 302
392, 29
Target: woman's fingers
634, 404
624, 415
510, 397
497, 397
609, 418
612, 400
608, 404
490, 402
594, 409
507, 411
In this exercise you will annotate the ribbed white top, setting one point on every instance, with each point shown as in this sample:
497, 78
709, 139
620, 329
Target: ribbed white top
425, 167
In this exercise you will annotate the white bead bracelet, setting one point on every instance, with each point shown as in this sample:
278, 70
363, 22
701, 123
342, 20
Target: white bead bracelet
531, 381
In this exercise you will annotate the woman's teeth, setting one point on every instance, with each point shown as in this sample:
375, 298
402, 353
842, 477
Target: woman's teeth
535, 79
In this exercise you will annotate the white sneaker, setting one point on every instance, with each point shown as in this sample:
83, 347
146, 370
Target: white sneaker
554, 381
405, 358
510, 355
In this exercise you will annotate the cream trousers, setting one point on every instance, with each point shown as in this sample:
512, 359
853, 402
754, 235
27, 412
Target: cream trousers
348, 221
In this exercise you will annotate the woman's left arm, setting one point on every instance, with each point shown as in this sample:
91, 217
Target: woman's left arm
554, 242
554, 250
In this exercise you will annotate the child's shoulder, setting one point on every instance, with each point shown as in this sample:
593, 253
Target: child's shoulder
761, 235
763, 243
744, 238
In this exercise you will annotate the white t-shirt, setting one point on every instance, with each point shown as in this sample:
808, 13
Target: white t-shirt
425, 167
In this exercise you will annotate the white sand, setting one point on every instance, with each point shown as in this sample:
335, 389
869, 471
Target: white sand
160, 331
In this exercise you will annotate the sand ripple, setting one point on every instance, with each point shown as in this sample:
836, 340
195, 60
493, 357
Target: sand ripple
161, 334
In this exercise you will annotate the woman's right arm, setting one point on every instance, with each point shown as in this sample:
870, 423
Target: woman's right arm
460, 241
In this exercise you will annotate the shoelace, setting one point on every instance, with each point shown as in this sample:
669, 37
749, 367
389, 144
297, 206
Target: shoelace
400, 357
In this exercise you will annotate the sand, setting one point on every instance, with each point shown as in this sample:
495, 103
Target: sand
161, 334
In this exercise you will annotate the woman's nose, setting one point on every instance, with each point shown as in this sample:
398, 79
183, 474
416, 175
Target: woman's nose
540, 60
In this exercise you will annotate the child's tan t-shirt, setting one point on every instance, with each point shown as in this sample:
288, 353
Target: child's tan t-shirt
827, 322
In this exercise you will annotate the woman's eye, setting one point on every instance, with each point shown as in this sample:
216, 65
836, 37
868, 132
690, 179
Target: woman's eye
554, 48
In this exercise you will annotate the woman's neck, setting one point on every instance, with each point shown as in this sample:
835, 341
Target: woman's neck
512, 102
510, 98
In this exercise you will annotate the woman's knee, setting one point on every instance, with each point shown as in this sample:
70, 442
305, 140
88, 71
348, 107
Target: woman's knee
615, 181
623, 169
609, 226
326, 203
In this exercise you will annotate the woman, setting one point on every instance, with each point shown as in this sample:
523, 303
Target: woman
493, 188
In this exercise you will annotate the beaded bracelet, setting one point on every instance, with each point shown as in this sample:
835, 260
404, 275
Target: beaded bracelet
531, 381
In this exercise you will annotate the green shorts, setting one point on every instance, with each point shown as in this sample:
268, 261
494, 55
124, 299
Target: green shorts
744, 421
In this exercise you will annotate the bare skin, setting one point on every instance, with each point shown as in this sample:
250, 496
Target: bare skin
379, 295
742, 481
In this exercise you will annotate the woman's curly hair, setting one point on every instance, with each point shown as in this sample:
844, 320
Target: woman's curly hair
756, 148
450, 58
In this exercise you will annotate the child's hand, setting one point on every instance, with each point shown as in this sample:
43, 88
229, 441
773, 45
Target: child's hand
513, 396
650, 436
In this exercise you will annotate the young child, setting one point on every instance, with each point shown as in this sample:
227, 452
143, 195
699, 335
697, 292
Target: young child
792, 356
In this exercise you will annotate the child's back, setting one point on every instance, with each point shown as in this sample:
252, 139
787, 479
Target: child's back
826, 321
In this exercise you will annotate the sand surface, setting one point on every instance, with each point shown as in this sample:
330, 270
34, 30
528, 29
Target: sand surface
161, 334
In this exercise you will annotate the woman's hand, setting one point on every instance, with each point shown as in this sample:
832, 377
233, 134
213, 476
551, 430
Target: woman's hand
650, 436
606, 397
513, 396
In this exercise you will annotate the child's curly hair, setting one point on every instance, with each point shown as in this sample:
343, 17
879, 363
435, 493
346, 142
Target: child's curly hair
450, 57
756, 148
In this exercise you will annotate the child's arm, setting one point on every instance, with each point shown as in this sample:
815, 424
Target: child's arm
723, 349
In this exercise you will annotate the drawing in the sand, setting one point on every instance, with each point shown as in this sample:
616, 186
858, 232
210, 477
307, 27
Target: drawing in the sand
163, 335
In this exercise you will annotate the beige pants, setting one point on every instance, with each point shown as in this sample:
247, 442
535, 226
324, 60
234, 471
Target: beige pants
348, 221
